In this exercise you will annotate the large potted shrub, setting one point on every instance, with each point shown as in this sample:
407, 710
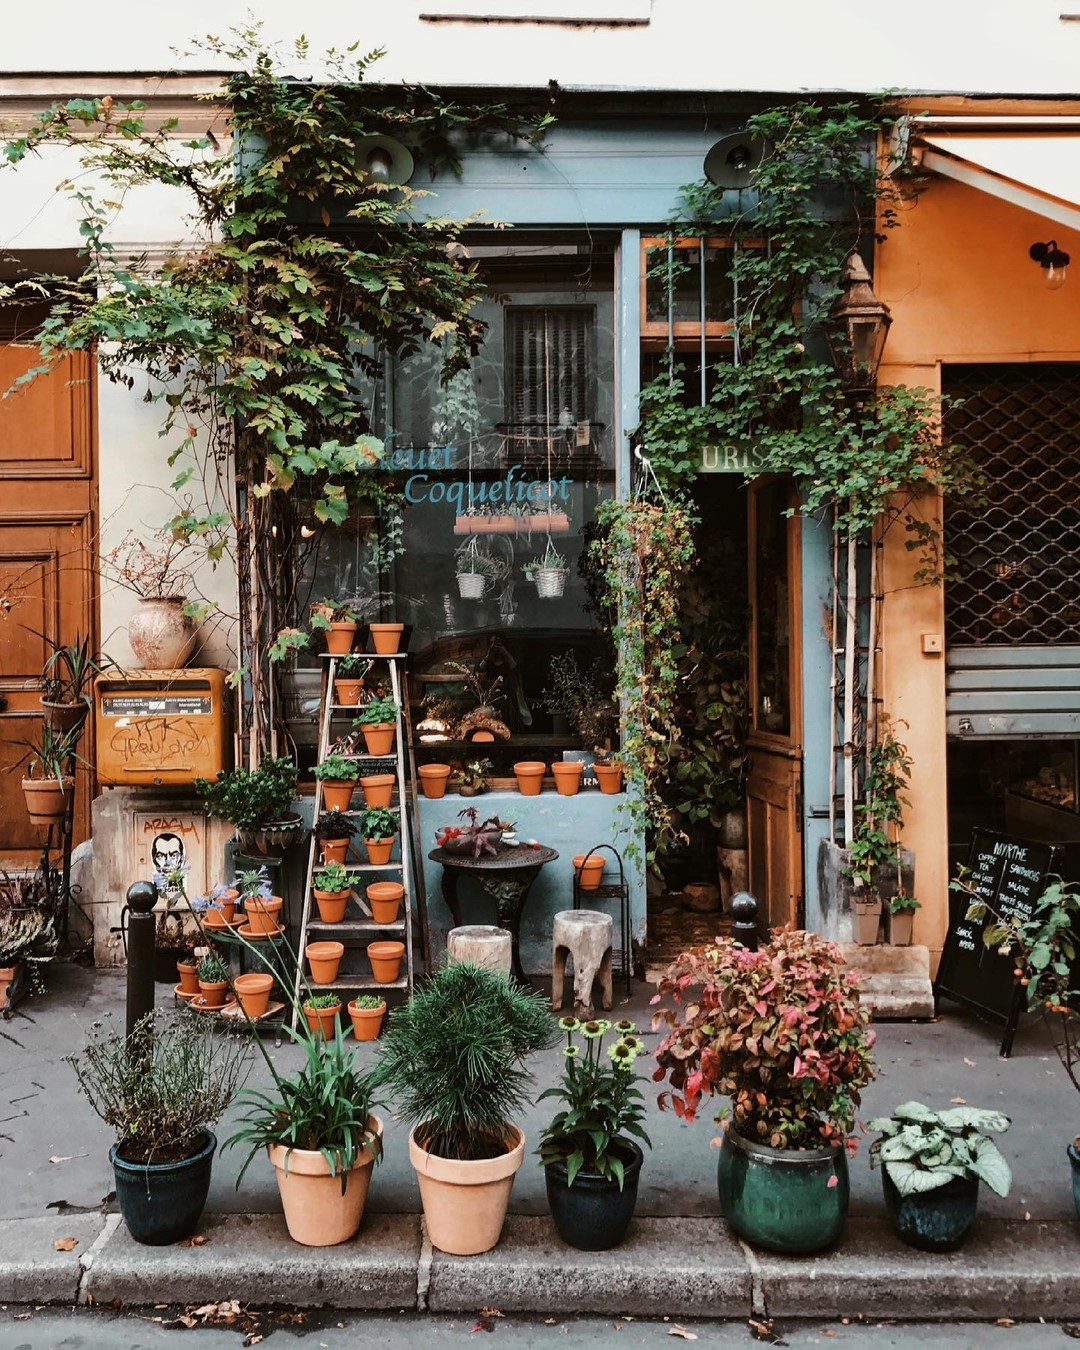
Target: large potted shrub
781, 1032
591, 1163
452, 1061
160, 1089
257, 803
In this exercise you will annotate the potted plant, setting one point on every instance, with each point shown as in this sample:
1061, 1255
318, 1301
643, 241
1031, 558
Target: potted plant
452, 1060
160, 1089
333, 830
932, 1163
320, 1013
476, 571
332, 889
591, 1164
583, 697
349, 680
874, 848
262, 909
900, 912
473, 777
338, 777
548, 572
377, 720
27, 945
162, 632
49, 785
258, 803
338, 622
782, 1033
67, 682
433, 779
384, 899
322, 1137
378, 829
609, 775
530, 776
476, 837
213, 975
367, 1012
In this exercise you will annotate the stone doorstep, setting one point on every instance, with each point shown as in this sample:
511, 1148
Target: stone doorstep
895, 980
667, 1267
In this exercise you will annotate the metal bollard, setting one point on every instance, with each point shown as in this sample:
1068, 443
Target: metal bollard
743, 907
141, 897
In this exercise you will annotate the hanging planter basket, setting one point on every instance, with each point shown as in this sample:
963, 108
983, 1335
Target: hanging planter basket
471, 585
550, 582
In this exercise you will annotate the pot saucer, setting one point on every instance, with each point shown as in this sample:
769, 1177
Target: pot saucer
200, 1004
235, 1013
245, 932
185, 993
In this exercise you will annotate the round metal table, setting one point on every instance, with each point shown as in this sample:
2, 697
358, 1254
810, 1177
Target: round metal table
506, 876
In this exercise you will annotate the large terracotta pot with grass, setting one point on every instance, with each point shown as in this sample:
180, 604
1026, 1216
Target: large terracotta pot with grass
319, 1211
465, 1202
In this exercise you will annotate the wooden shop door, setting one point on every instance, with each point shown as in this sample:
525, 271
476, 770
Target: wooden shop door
47, 501
774, 777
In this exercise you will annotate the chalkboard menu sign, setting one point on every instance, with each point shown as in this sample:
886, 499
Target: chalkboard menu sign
1010, 875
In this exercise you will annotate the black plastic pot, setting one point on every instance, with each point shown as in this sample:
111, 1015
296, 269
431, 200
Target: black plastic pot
933, 1221
163, 1202
1074, 1163
593, 1214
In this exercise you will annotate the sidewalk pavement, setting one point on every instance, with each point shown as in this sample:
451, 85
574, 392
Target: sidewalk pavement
680, 1259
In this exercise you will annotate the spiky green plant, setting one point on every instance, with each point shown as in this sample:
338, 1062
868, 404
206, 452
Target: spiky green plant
452, 1059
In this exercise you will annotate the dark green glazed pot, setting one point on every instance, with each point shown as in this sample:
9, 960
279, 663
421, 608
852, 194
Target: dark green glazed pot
593, 1214
163, 1202
1074, 1160
780, 1198
933, 1221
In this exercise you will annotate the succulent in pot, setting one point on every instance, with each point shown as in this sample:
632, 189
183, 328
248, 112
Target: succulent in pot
377, 721
378, 829
781, 1032
338, 776
366, 1012
321, 1013
333, 830
591, 1162
452, 1058
472, 780
258, 803
332, 889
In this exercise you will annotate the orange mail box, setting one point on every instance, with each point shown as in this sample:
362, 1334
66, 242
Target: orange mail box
159, 727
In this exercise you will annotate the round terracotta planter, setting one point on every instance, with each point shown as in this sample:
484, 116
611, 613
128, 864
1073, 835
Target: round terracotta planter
162, 636
323, 959
64, 717
590, 869
253, 991
333, 850
609, 776
385, 958
433, 779
347, 692
337, 795
318, 1213
47, 799
189, 979
321, 1020
263, 915
367, 1022
7, 979
215, 920
378, 789
379, 850
465, 1202
226, 905
379, 738
332, 905
340, 638
213, 992
530, 777
386, 637
567, 777
384, 899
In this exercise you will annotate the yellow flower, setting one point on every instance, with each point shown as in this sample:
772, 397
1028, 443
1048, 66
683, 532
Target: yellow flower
569, 1023
595, 1029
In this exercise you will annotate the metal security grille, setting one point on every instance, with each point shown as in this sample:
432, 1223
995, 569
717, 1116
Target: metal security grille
550, 374
1017, 555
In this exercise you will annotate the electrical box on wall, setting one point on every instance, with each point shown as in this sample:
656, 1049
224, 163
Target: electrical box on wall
161, 728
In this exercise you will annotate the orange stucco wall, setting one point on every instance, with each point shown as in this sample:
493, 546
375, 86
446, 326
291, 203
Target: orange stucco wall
961, 287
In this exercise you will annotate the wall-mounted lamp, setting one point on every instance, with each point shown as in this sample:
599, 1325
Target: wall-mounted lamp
732, 161
384, 160
856, 328
1052, 260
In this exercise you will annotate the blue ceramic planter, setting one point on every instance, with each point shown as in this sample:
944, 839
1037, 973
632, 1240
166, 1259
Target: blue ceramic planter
593, 1214
782, 1199
163, 1202
933, 1221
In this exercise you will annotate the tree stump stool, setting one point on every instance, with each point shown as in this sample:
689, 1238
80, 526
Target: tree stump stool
481, 944
584, 934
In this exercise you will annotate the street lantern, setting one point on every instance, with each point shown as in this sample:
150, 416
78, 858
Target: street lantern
856, 328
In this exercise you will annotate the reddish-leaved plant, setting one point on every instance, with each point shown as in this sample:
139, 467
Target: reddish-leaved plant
780, 1032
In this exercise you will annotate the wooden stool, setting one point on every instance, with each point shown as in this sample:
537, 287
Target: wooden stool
481, 944
584, 934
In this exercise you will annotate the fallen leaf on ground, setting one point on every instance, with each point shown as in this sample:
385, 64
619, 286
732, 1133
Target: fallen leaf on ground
1005, 1322
197, 1241
186, 1320
490, 1312
253, 1338
549, 1321
969, 1062
23, 1317
66, 1244
682, 1333
958, 1101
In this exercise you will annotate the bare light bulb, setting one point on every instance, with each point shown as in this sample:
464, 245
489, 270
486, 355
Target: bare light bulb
379, 165
1054, 276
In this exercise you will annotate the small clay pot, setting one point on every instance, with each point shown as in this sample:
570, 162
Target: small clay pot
213, 992
567, 777
340, 638
333, 850
262, 915
189, 979
433, 779
332, 905
215, 920
321, 1020
379, 850
253, 991
366, 1022
385, 958
386, 637
530, 776
323, 959
378, 789
336, 795
347, 692
609, 776
379, 738
384, 899
590, 868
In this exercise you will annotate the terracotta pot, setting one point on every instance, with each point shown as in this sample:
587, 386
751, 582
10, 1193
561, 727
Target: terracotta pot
323, 959
609, 776
253, 991
189, 979
567, 777
379, 738
263, 915
333, 850
340, 638
384, 899
215, 920
379, 850
64, 716
367, 1022
530, 777
433, 779
317, 1213
385, 958
386, 637
47, 799
7, 979
378, 789
332, 905
213, 992
226, 904
337, 795
347, 692
321, 1020
465, 1202
590, 869
161, 635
